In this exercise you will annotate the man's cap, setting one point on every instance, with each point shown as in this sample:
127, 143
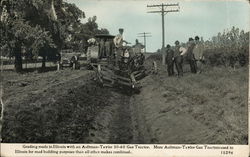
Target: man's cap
197, 38
168, 46
121, 29
177, 42
190, 39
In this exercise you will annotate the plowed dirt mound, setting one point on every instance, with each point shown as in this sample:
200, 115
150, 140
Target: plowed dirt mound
52, 107
64, 107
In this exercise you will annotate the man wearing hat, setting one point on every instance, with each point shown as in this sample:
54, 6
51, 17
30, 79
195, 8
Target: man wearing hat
118, 42
198, 54
138, 47
170, 61
177, 58
190, 55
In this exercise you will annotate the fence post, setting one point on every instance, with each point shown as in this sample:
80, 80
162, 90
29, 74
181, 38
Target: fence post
58, 66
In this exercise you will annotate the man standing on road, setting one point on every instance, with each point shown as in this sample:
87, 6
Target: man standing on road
190, 56
177, 58
170, 61
198, 54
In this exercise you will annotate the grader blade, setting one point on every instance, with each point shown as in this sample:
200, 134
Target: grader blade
124, 83
106, 69
107, 78
123, 78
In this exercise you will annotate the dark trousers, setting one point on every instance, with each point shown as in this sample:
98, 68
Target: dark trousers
102, 52
193, 65
170, 65
118, 55
178, 65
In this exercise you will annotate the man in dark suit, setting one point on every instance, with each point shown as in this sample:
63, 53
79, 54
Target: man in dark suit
169, 60
190, 55
178, 59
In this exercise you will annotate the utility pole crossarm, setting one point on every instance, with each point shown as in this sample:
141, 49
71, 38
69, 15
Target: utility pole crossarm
176, 10
162, 8
144, 35
165, 5
154, 12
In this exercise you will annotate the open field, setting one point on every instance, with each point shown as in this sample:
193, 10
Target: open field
68, 106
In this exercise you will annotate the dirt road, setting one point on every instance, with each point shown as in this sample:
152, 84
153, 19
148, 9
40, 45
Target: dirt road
65, 106
70, 107
206, 108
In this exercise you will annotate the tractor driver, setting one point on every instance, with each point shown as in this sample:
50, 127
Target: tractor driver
118, 42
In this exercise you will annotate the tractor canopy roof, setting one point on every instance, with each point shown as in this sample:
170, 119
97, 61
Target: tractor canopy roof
104, 36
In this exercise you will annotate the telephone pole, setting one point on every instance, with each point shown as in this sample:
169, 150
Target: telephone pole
145, 35
163, 11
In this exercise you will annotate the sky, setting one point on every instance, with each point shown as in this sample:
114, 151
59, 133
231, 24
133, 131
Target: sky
203, 18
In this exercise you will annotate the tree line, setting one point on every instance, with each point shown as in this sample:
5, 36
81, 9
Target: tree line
32, 28
228, 48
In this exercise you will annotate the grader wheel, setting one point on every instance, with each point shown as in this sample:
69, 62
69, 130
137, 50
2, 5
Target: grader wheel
155, 68
99, 74
132, 77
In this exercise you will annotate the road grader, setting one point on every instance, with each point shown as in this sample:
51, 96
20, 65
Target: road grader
111, 70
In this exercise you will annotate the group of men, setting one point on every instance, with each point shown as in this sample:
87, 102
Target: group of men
191, 53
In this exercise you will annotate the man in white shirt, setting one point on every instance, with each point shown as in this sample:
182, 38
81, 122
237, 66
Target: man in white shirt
177, 58
198, 54
118, 42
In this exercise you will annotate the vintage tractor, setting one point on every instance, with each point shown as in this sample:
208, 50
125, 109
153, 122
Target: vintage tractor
111, 70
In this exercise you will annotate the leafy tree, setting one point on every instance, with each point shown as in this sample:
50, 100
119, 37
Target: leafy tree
228, 47
43, 28
35, 39
25, 27
34, 24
